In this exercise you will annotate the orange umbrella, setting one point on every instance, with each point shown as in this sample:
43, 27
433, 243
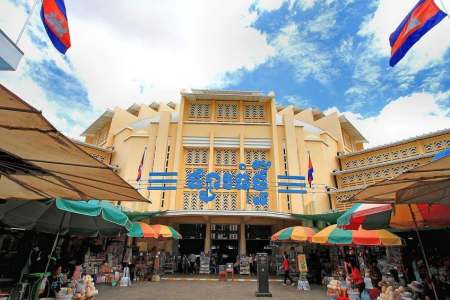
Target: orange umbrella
333, 235
165, 231
139, 229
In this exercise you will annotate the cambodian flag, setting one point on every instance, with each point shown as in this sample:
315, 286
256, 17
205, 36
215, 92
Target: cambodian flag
53, 15
141, 166
310, 171
424, 16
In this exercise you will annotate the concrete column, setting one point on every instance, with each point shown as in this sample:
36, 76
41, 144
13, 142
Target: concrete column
292, 157
178, 153
275, 159
207, 238
242, 240
160, 154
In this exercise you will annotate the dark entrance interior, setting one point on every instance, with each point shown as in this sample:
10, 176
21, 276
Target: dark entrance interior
193, 240
258, 238
224, 242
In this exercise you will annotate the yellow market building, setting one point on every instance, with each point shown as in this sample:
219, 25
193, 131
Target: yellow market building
216, 131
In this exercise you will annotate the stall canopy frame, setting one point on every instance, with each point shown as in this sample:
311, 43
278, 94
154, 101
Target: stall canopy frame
38, 162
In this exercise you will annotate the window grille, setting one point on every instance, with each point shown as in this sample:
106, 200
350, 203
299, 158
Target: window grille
227, 112
196, 156
226, 157
255, 154
199, 111
226, 201
254, 113
191, 201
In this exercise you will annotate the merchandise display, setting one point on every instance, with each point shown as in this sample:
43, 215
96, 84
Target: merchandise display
244, 265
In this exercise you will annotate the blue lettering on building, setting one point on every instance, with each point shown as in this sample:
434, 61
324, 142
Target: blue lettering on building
213, 181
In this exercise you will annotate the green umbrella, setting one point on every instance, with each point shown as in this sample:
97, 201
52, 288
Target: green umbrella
86, 218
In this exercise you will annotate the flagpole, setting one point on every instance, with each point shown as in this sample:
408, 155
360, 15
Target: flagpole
27, 21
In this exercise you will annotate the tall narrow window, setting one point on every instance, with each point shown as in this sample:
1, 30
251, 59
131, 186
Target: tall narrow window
288, 197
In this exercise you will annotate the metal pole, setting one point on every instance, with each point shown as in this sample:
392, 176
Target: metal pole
51, 252
423, 250
26, 21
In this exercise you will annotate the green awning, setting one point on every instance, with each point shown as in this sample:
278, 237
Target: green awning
330, 218
139, 215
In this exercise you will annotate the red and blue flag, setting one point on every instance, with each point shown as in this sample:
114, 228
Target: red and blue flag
141, 166
310, 171
53, 15
424, 16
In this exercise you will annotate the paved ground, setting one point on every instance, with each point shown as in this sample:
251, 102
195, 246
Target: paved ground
198, 290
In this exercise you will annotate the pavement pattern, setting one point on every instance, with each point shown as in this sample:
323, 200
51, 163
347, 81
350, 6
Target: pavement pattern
211, 290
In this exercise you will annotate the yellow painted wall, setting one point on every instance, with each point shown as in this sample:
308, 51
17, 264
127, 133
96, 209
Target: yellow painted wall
129, 144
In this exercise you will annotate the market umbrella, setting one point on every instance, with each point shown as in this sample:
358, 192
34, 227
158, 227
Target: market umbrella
86, 218
293, 234
379, 216
332, 235
139, 229
37, 162
429, 183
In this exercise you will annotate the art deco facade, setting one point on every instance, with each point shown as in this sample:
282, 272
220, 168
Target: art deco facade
218, 130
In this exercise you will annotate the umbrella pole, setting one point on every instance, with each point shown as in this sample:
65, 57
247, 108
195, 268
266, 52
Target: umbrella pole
51, 252
55, 242
423, 251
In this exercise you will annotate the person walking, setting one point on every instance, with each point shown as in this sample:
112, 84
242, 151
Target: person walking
286, 269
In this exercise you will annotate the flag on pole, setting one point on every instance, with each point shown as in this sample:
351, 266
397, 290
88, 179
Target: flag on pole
310, 171
141, 166
424, 16
53, 15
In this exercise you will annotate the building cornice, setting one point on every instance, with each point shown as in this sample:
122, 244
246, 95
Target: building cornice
92, 146
227, 213
405, 141
386, 163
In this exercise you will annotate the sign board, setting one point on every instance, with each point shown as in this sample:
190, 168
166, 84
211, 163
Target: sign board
302, 265
254, 181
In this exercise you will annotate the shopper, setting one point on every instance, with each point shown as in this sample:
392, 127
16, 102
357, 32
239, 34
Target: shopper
356, 276
286, 269
375, 274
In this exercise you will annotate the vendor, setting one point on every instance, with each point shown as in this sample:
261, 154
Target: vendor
105, 271
76, 282
355, 276
55, 282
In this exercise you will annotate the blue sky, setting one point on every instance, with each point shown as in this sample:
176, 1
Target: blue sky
329, 54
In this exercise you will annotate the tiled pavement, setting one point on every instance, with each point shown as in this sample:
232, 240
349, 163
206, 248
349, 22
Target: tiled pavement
204, 289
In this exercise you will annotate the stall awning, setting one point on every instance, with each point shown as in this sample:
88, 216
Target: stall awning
429, 183
38, 162
327, 217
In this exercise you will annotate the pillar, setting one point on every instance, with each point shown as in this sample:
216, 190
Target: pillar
207, 247
242, 240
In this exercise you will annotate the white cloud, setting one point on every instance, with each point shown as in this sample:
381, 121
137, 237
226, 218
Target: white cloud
119, 49
297, 100
408, 116
296, 46
429, 51
269, 5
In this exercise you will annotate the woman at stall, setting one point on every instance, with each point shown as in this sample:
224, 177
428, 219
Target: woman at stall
355, 276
